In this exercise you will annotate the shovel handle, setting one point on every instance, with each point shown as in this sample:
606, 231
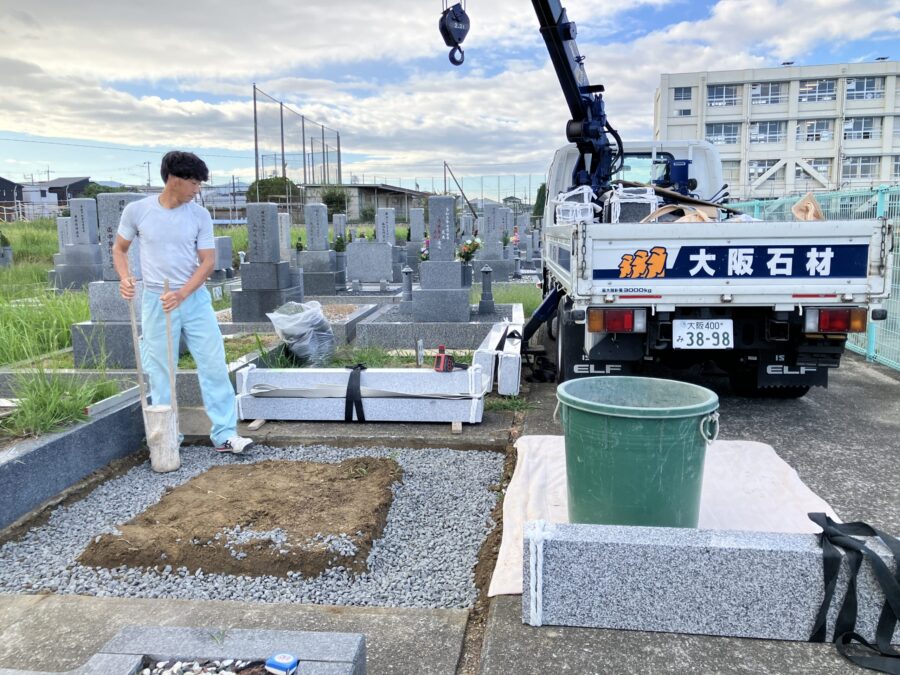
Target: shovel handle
173, 397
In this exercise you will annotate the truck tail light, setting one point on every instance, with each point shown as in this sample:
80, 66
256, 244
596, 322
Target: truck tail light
836, 320
616, 320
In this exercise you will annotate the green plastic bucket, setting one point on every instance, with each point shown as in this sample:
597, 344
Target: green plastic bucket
635, 448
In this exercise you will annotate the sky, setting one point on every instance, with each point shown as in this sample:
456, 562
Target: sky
104, 88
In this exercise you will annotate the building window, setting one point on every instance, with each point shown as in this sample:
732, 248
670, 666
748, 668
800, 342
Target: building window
682, 112
817, 90
865, 88
896, 127
862, 128
731, 172
721, 94
723, 133
811, 131
767, 93
896, 166
682, 93
822, 166
767, 132
757, 167
859, 167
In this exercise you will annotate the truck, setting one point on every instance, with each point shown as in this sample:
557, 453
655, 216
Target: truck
659, 270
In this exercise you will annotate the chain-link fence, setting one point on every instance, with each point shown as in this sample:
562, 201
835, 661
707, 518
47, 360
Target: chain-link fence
290, 145
881, 342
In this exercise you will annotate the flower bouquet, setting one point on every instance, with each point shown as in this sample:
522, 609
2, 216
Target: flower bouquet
423, 252
467, 249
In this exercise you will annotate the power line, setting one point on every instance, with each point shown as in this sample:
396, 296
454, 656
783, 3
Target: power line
110, 147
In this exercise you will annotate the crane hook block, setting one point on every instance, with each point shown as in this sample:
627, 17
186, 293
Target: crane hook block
454, 26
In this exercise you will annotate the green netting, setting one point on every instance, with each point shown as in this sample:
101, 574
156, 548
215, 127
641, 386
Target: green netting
882, 342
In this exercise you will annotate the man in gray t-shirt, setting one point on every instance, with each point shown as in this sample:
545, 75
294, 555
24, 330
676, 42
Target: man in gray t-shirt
177, 246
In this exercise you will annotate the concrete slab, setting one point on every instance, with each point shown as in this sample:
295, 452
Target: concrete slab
62, 632
511, 647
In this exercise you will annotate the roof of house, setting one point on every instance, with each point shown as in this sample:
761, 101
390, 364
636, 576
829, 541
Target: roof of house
62, 182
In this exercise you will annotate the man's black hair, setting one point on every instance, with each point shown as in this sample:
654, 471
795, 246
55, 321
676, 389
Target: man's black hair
183, 165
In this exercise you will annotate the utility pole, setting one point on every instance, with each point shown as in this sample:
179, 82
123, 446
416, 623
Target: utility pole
147, 164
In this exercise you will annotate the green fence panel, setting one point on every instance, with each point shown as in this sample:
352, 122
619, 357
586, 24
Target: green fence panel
882, 341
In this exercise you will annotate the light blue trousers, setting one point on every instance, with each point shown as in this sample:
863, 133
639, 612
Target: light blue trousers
194, 319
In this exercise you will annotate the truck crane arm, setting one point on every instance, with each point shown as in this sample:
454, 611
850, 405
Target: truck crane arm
589, 126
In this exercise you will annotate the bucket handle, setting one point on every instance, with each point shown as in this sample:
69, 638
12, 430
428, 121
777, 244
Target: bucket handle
709, 427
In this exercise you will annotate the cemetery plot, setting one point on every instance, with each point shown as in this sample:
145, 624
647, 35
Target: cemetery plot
268, 518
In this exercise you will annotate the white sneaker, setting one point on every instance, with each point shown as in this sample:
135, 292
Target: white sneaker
236, 444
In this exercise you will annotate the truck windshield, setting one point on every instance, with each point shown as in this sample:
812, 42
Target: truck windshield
642, 167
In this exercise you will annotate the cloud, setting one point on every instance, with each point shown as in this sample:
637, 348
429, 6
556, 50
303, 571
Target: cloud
369, 71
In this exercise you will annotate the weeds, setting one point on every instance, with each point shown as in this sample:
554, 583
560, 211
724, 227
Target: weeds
39, 324
508, 293
49, 401
512, 403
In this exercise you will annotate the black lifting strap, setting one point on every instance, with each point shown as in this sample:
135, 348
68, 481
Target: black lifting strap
881, 656
514, 335
354, 397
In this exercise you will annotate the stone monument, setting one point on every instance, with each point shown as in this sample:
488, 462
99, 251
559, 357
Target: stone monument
378, 259
491, 252
319, 264
444, 285
106, 338
79, 261
416, 238
386, 233
266, 280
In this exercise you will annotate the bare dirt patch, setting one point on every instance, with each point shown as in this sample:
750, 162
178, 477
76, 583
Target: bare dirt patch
268, 518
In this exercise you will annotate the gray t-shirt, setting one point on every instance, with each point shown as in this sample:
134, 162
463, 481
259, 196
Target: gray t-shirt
170, 239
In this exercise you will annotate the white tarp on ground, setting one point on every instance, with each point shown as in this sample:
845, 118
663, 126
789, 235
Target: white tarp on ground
746, 486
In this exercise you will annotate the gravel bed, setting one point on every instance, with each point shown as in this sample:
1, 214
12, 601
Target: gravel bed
437, 522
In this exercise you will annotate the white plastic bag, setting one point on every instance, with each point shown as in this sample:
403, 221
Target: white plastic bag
305, 330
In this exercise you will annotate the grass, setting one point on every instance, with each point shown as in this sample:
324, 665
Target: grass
512, 403
33, 241
23, 280
508, 293
39, 324
48, 402
235, 348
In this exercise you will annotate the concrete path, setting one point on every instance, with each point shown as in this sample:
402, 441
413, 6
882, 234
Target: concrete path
54, 633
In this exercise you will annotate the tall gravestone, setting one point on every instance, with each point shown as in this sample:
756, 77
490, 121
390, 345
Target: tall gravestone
339, 222
285, 245
224, 267
466, 225
491, 252
416, 237
80, 260
386, 233
106, 338
266, 280
444, 285
320, 275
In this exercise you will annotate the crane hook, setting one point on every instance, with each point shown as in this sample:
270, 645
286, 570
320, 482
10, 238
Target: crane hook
454, 26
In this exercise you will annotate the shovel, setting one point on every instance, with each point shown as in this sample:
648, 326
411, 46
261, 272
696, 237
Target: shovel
160, 421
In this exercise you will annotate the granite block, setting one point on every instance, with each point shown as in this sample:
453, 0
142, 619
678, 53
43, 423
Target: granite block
369, 261
436, 274
509, 371
224, 253
109, 210
466, 225
385, 222
77, 276
107, 305
317, 261
491, 229
319, 652
265, 276
64, 458
63, 223
413, 249
339, 223
441, 305
108, 343
84, 227
82, 254
391, 329
251, 305
319, 283
262, 233
682, 580
316, 216
416, 225
442, 228
505, 217
58, 259
501, 270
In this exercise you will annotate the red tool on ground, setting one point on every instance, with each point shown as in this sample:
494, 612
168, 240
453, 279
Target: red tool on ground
443, 362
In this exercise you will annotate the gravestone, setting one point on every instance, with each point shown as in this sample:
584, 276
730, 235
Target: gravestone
285, 245
339, 221
369, 261
491, 251
385, 233
224, 257
443, 293
442, 228
466, 225
266, 280
416, 238
80, 259
506, 220
320, 276
106, 340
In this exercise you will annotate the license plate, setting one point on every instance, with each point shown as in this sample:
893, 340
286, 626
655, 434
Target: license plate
703, 334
